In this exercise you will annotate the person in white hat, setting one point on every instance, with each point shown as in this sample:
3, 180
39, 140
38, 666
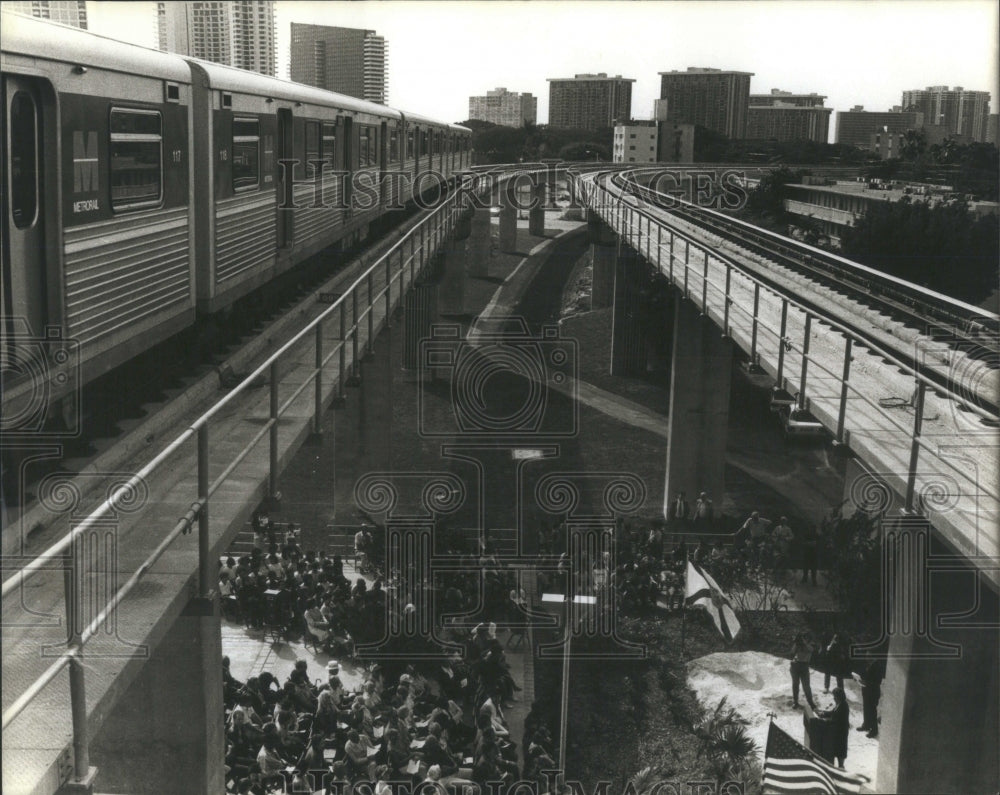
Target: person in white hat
333, 682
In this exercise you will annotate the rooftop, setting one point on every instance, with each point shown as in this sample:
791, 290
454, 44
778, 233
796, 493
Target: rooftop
702, 70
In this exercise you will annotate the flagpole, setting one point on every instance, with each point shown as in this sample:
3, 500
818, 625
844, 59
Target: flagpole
684, 600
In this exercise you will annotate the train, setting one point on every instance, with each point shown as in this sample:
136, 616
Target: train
144, 190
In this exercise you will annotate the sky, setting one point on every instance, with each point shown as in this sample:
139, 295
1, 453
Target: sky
864, 52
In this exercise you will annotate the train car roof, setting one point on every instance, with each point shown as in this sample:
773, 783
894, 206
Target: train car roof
229, 78
40, 38
421, 119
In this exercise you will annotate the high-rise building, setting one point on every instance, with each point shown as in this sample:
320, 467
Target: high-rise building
239, 33
349, 61
712, 98
992, 124
779, 98
857, 126
589, 102
66, 12
960, 112
508, 108
784, 116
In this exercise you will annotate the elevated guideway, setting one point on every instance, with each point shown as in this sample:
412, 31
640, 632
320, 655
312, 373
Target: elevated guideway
844, 363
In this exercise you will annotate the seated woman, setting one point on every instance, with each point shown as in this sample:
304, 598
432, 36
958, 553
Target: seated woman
327, 715
300, 689
356, 749
316, 623
241, 739
271, 758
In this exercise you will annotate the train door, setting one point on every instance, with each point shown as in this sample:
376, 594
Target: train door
347, 162
24, 284
383, 159
286, 178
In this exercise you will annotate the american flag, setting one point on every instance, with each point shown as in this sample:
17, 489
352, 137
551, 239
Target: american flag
791, 767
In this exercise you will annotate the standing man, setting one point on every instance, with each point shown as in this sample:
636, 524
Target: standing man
679, 510
782, 536
871, 691
801, 658
808, 542
755, 530
704, 511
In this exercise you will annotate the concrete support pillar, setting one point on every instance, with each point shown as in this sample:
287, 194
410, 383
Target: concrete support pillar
508, 229
602, 286
939, 728
701, 366
451, 289
479, 244
463, 226
166, 732
419, 310
375, 407
536, 215
628, 350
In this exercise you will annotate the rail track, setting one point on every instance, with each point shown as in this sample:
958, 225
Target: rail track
970, 372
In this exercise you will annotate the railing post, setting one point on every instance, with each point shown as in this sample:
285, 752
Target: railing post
370, 346
726, 301
318, 392
343, 351
918, 422
355, 327
805, 362
780, 382
659, 235
388, 289
413, 259
687, 256
753, 331
842, 413
423, 227
273, 466
672, 236
704, 286
77, 676
206, 572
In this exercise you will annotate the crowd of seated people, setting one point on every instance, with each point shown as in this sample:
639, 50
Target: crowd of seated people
432, 710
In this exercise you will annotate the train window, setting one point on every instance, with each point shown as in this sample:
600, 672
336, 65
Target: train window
329, 151
409, 145
423, 142
393, 146
367, 154
23, 160
173, 92
136, 158
312, 147
246, 153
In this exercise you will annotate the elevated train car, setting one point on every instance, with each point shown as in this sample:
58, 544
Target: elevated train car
143, 188
98, 229
289, 170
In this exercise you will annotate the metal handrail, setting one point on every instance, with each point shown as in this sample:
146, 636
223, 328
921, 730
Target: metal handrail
931, 300
123, 492
867, 341
916, 439
440, 221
